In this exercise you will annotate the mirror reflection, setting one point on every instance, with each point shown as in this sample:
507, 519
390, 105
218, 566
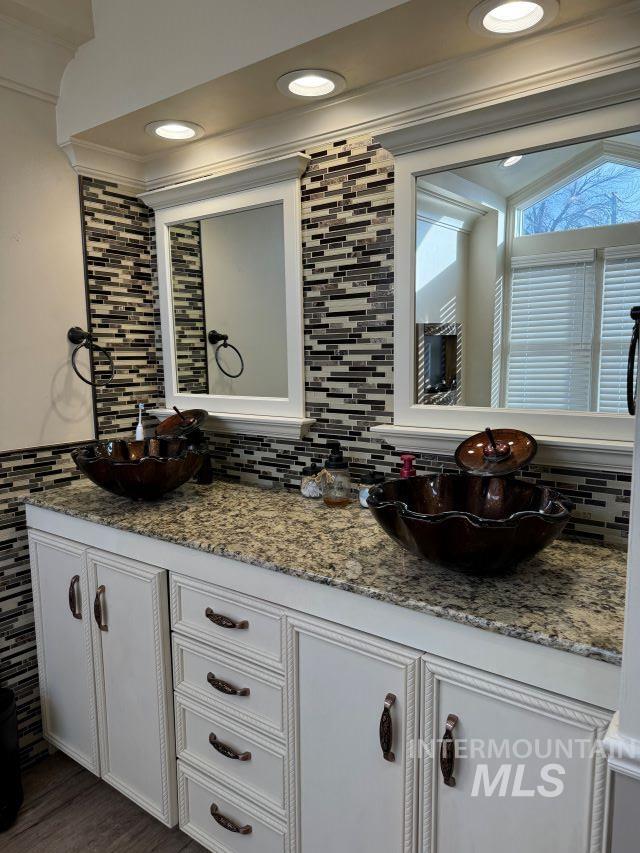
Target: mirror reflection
229, 303
526, 269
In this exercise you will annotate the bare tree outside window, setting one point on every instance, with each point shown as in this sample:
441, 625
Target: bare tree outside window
609, 194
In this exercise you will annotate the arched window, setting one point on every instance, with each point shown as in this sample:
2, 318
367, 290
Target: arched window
607, 194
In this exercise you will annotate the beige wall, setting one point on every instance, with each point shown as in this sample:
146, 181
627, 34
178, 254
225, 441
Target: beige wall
41, 281
482, 277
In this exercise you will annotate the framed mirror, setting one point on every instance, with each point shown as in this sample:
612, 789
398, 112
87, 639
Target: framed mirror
526, 270
230, 277
517, 265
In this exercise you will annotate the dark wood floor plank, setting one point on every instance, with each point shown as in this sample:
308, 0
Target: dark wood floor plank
45, 795
68, 810
49, 774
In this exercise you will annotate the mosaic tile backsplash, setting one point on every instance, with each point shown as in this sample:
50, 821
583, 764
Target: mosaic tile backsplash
347, 232
188, 308
124, 314
347, 204
23, 472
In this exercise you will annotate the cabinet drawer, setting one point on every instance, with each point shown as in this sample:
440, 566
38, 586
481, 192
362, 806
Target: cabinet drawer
198, 795
259, 774
207, 612
205, 673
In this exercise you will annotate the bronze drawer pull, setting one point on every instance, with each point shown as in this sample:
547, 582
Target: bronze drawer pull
227, 751
224, 621
73, 597
448, 752
224, 686
386, 728
226, 823
97, 608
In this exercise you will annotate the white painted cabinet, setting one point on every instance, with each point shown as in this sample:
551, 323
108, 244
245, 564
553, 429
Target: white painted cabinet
347, 690
299, 735
527, 772
133, 681
105, 667
65, 661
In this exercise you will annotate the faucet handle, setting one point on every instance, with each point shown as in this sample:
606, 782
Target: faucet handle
496, 451
408, 468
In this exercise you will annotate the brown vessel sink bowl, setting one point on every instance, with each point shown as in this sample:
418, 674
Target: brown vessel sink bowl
480, 525
143, 470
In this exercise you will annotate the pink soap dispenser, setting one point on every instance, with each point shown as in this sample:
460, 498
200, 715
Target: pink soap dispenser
408, 468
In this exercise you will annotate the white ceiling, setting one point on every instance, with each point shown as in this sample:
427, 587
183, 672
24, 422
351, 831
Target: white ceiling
506, 182
147, 50
142, 68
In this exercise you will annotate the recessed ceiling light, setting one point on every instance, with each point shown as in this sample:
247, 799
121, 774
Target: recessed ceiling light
311, 83
175, 130
511, 161
510, 17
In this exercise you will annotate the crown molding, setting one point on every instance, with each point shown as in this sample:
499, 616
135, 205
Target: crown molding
33, 33
105, 164
449, 97
261, 174
38, 94
32, 61
583, 96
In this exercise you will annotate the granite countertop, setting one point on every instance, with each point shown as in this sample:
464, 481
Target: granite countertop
570, 597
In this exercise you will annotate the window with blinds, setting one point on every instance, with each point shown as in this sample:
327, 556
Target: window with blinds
551, 332
620, 291
556, 355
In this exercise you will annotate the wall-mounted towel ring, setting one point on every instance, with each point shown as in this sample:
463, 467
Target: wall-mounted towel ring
83, 340
223, 342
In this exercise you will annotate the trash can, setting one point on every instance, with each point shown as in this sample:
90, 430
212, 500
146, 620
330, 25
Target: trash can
10, 784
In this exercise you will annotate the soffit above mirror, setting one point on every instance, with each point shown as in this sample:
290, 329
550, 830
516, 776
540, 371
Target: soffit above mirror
220, 68
258, 175
583, 96
601, 43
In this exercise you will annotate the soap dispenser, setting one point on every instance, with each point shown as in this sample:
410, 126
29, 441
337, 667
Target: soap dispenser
336, 489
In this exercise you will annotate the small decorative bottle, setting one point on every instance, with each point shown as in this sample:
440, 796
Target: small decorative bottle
408, 468
367, 483
310, 484
336, 488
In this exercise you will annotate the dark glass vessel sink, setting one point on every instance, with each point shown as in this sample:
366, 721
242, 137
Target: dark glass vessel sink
481, 525
143, 470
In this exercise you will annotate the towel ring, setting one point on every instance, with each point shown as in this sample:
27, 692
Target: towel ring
223, 342
83, 340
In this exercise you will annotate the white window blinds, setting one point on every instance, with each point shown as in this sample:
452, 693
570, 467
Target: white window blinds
621, 291
551, 324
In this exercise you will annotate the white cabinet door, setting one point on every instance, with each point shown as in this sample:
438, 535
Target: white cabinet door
133, 682
529, 775
63, 634
348, 797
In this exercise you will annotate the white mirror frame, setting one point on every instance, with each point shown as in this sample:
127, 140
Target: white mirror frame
274, 182
578, 439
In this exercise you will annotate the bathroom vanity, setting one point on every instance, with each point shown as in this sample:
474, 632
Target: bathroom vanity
298, 664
